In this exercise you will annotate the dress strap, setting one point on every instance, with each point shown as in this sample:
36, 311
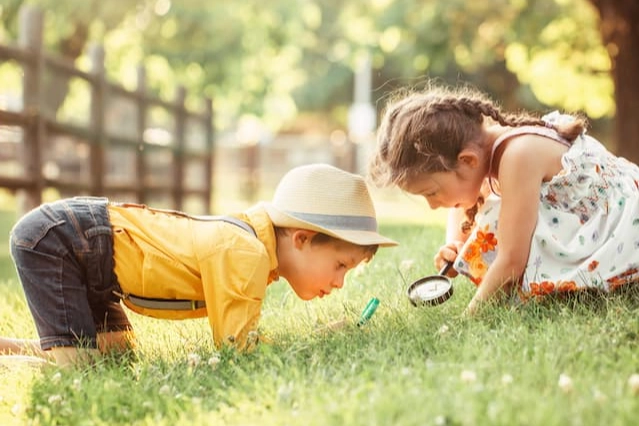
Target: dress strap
523, 130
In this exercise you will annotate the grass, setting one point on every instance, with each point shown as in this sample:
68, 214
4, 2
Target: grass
550, 363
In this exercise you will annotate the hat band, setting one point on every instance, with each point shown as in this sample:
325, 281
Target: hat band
331, 221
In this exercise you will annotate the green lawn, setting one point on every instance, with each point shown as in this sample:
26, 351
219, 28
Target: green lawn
6, 267
549, 363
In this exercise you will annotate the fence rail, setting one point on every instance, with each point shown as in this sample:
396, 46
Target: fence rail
129, 144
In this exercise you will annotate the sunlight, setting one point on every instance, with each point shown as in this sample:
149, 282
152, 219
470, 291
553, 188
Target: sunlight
162, 7
390, 39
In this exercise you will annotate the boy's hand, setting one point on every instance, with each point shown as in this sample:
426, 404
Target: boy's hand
448, 253
332, 326
337, 325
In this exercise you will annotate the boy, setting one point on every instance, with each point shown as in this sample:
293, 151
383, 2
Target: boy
79, 258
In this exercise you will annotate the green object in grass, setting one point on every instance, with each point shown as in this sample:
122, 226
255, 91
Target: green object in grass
369, 310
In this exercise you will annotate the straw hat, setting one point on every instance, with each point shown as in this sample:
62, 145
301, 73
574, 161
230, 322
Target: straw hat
323, 198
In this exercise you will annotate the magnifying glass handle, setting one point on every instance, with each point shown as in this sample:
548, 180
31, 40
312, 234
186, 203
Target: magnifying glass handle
446, 268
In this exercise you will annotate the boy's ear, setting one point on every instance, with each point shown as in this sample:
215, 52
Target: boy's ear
302, 236
468, 157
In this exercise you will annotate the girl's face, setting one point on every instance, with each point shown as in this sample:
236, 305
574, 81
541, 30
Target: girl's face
459, 188
314, 270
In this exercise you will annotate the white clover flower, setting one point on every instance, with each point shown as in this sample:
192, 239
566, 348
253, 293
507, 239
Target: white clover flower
285, 392
77, 384
565, 383
193, 360
468, 376
165, 390
406, 264
16, 409
599, 396
440, 421
56, 377
443, 329
506, 379
54, 399
633, 383
214, 361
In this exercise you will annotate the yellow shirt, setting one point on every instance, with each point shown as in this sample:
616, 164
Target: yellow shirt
167, 255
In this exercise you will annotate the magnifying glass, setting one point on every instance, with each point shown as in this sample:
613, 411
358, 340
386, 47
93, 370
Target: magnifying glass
431, 290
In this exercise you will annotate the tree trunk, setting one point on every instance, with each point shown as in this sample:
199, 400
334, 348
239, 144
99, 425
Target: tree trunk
620, 34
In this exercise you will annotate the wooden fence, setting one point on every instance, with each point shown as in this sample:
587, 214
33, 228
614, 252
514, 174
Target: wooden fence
127, 145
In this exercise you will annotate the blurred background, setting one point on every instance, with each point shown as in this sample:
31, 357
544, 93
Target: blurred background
204, 105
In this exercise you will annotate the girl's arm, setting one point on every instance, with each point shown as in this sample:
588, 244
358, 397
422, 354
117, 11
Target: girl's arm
453, 225
525, 163
455, 237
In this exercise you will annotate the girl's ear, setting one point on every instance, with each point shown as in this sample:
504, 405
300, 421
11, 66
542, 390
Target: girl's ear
301, 237
469, 158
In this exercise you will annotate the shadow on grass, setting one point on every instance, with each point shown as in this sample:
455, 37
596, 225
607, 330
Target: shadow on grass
588, 301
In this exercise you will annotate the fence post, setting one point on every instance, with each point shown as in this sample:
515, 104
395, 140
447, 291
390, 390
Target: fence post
210, 151
140, 161
98, 102
30, 38
178, 150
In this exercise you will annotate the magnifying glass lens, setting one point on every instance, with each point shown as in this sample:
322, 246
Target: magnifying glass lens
430, 290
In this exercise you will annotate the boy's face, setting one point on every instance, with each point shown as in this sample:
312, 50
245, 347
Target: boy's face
314, 270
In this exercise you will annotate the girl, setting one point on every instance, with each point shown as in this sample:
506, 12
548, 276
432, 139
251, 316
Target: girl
555, 211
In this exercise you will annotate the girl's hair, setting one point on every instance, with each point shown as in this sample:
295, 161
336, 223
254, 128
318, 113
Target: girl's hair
321, 238
424, 131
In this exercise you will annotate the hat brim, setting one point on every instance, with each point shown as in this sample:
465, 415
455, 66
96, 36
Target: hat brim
359, 237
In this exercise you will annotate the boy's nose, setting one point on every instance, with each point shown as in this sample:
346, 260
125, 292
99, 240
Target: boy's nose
339, 282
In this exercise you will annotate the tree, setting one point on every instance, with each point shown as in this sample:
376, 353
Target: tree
534, 54
67, 32
620, 32
275, 58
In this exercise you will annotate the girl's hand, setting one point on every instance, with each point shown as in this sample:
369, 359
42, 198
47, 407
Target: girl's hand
448, 253
471, 309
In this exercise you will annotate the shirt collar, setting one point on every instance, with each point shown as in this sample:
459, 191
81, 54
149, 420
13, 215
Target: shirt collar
260, 221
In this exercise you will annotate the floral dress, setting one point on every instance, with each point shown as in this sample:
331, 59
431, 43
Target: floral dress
587, 232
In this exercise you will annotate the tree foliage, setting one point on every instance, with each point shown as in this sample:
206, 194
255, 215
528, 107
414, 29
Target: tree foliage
276, 58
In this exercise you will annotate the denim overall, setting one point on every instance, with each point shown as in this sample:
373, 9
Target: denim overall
63, 253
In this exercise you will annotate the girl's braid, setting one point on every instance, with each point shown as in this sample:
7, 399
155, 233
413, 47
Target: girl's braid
470, 213
569, 131
489, 109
